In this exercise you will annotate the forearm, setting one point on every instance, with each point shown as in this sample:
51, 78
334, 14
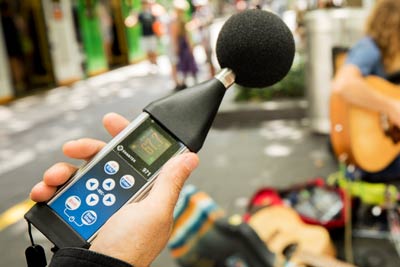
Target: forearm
78, 257
363, 95
355, 90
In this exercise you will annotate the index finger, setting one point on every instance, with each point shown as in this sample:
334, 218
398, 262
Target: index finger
114, 123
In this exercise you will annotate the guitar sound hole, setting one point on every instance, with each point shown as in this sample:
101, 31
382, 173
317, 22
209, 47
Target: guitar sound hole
393, 133
289, 250
390, 130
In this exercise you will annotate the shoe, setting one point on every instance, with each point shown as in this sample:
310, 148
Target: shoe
180, 87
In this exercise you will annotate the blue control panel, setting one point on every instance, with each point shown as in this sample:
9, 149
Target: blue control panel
128, 166
98, 194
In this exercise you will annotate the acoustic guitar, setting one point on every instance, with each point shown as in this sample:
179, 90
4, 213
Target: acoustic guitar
363, 137
284, 233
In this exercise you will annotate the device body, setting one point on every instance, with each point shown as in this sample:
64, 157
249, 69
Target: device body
126, 168
122, 172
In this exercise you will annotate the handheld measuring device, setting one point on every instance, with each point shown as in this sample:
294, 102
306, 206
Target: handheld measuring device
125, 169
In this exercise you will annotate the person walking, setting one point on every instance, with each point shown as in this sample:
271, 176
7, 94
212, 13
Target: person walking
180, 40
149, 40
202, 19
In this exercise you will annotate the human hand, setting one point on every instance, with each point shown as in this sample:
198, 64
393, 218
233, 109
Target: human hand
139, 231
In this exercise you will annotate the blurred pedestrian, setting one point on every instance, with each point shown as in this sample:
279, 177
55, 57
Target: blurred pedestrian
106, 25
378, 54
149, 37
13, 44
182, 45
202, 19
167, 19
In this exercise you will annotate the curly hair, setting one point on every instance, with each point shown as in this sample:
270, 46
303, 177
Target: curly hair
383, 26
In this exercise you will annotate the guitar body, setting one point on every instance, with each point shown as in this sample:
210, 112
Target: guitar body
357, 135
280, 227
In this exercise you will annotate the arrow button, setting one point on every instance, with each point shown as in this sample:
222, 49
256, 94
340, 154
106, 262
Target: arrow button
92, 200
109, 200
92, 184
108, 184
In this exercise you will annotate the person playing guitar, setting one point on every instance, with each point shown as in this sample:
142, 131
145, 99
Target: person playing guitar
378, 54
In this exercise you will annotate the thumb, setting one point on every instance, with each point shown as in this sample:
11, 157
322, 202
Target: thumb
171, 179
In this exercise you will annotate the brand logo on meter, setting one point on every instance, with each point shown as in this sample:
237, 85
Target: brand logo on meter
121, 150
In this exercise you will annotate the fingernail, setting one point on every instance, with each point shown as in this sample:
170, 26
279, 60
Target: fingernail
70, 142
191, 162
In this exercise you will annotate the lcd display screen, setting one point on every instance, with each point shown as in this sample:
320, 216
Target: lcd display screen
150, 145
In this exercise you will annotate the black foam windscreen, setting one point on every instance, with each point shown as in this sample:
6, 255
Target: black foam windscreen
257, 46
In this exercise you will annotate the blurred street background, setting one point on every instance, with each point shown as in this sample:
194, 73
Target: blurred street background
78, 60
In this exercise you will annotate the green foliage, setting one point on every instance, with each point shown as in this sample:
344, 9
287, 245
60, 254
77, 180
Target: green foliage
292, 86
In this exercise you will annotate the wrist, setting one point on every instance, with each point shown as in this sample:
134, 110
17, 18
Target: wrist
116, 252
78, 257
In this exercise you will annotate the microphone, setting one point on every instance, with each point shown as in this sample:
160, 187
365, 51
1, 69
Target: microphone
255, 48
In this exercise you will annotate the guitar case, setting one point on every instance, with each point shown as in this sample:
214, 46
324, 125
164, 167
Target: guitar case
306, 199
203, 237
